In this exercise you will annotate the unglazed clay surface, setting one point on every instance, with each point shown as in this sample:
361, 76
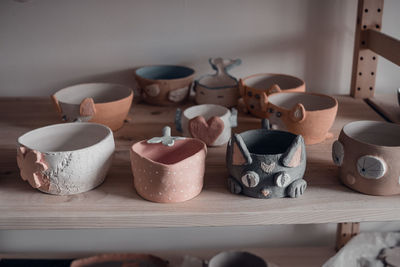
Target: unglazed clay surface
103, 103
255, 90
236, 259
210, 123
123, 260
308, 114
370, 154
164, 84
65, 159
266, 164
219, 88
164, 173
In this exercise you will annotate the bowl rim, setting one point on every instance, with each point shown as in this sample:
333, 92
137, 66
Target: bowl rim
303, 83
193, 72
305, 93
125, 87
67, 124
227, 112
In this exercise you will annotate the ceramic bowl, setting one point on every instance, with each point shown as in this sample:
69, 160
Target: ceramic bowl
103, 103
210, 123
168, 169
255, 90
368, 153
164, 85
236, 259
265, 163
128, 259
64, 159
308, 114
220, 88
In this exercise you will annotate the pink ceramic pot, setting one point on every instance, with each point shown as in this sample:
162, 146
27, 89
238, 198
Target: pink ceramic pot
168, 169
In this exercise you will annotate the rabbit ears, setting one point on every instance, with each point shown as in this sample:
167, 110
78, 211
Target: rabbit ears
291, 158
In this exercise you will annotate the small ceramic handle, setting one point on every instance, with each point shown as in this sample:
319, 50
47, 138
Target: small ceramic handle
178, 120
265, 124
166, 139
56, 104
233, 118
223, 66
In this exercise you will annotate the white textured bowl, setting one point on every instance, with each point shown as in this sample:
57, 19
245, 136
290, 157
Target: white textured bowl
64, 159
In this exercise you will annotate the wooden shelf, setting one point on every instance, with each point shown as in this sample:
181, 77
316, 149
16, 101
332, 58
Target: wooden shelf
282, 257
387, 105
115, 203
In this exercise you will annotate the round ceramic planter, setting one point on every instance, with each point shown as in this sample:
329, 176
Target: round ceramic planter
164, 85
219, 88
103, 103
236, 259
255, 90
210, 123
121, 260
367, 153
168, 169
64, 159
265, 163
308, 114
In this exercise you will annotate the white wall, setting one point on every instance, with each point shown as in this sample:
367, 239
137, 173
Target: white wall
48, 44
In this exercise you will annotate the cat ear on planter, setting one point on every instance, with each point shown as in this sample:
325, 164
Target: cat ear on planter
273, 89
298, 113
292, 157
87, 107
240, 153
264, 102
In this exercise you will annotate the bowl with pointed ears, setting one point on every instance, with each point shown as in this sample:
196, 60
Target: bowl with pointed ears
103, 103
367, 154
256, 88
236, 259
168, 169
308, 114
165, 85
67, 158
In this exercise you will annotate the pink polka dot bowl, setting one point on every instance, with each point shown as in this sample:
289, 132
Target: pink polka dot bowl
168, 169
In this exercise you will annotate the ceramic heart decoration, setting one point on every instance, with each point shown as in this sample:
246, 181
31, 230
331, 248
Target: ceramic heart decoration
207, 131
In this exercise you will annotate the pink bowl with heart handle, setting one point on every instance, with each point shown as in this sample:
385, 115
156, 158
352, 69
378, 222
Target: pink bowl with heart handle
208, 122
168, 172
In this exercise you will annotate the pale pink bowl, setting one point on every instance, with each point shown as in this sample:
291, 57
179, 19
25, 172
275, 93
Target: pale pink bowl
168, 173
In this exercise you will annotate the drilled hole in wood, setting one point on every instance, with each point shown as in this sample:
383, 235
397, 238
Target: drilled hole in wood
372, 73
364, 26
344, 235
379, 10
358, 88
360, 73
377, 26
363, 42
366, 10
373, 58
361, 58
371, 88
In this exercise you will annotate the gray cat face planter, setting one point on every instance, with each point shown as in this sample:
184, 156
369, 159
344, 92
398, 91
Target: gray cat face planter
266, 164
220, 88
210, 123
236, 259
64, 159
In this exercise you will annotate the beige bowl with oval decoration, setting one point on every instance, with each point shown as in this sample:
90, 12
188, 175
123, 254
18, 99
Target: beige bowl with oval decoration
367, 154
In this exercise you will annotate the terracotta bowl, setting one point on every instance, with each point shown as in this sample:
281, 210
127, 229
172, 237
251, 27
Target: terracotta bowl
165, 85
103, 103
65, 159
255, 90
220, 88
168, 172
265, 163
368, 153
236, 259
308, 114
208, 122
120, 260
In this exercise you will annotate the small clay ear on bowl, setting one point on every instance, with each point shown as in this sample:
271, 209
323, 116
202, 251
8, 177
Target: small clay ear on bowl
292, 157
56, 104
273, 89
241, 87
264, 102
240, 153
298, 113
87, 107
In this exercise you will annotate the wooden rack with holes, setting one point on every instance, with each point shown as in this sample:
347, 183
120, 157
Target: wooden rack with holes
115, 203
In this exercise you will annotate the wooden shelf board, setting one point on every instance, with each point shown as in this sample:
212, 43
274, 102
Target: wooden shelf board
386, 104
115, 203
282, 257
